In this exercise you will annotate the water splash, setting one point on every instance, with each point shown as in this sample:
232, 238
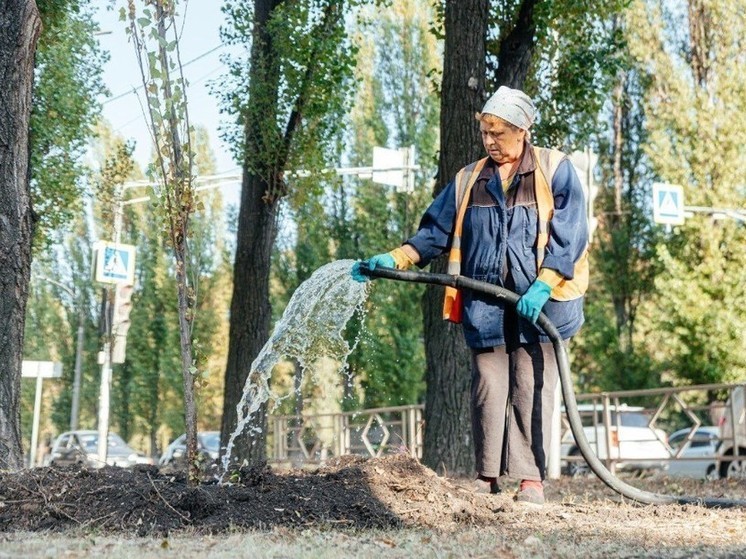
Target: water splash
310, 328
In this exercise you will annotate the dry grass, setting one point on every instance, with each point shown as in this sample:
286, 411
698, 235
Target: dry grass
589, 535
324, 515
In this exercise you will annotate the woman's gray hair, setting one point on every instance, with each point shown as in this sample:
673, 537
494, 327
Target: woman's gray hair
489, 117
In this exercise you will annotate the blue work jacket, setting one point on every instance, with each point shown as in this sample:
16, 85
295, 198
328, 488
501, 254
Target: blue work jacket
499, 247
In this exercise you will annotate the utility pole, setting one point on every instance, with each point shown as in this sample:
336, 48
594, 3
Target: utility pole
105, 356
75, 406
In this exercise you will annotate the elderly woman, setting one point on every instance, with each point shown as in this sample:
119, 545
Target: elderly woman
516, 219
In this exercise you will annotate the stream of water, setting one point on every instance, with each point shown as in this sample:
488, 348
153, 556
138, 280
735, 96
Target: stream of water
311, 328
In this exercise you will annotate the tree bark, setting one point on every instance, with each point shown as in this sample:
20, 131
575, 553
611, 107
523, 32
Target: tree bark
700, 31
19, 31
517, 48
263, 187
617, 223
179, 226
448, 444
251, 312
448, 441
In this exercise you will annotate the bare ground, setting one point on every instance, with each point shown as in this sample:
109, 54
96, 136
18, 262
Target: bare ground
363, 508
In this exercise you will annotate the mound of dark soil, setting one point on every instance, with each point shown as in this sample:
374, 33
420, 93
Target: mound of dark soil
350, 492
145, 501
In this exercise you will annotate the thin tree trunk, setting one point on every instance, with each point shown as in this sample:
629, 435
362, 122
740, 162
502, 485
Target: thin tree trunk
618, 147
179, 230
19, 31
185, 338
620, 297
448, 445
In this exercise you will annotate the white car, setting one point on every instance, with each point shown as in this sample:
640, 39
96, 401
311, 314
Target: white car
634, 443
687, 447
81, 447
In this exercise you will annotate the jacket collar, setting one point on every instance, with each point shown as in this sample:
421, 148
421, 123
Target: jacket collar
528, 161
526, 166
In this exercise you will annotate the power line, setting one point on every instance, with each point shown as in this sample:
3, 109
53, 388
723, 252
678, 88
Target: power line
191, 97
135, 88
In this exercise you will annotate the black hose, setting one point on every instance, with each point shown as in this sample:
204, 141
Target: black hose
563, 363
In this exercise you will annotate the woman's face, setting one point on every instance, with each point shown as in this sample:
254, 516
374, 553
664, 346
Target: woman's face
502, 141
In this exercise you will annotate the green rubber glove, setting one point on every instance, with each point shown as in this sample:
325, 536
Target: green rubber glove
385, 260
529, 306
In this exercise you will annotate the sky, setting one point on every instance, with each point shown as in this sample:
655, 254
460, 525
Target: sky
201, 50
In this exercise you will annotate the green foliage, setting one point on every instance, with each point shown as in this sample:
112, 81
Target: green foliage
612, 346
354, 218
676, 295
154, 34
114, 172
147, 390
577, 55
67, 84
701, 303
396, 107
693, 108
61, 293
294, 104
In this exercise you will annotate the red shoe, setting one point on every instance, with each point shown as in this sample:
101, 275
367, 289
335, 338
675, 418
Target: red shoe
531, 492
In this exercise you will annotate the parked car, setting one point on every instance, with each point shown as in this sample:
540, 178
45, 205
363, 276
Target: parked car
81, 447
208, 445
634, 444
733, 436
686, 446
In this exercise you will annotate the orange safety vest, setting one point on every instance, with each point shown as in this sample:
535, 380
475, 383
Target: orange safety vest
547, 161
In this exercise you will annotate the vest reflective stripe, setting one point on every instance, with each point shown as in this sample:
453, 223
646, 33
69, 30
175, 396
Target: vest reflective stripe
547, 161
465, 179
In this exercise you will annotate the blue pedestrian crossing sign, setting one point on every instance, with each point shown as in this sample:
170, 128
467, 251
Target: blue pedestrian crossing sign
114, 262
668, 204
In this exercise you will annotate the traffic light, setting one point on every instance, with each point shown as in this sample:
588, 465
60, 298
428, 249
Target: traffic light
120, 320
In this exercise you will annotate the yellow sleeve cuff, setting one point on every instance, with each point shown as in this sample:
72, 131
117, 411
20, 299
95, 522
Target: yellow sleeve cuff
401, 259
551, 277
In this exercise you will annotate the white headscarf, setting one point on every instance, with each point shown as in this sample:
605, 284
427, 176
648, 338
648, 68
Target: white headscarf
513, 106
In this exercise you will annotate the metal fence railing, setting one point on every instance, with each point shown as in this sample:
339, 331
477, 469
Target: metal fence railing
308, 439
311, 439
665, 410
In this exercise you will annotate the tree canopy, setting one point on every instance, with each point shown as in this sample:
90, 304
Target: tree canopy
313, 85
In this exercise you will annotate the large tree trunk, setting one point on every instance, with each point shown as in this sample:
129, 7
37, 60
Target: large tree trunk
250, 314
262, 189
19, 31
517, 48
448, 445
448, 442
